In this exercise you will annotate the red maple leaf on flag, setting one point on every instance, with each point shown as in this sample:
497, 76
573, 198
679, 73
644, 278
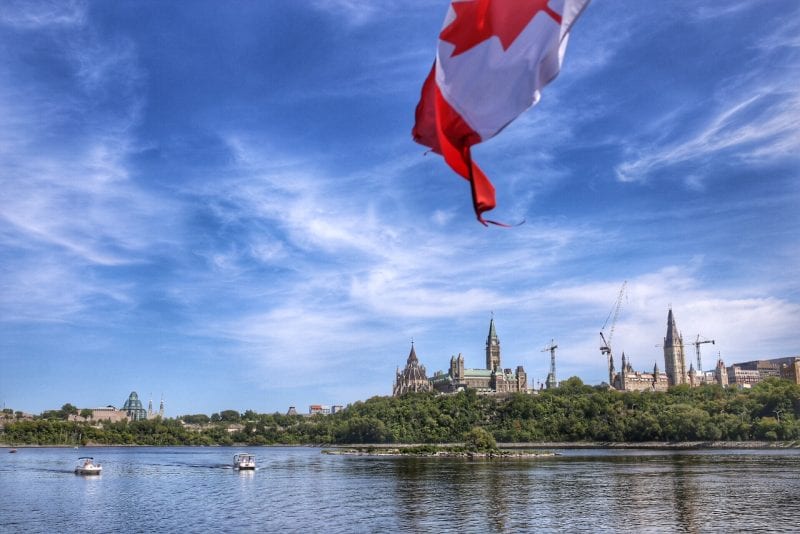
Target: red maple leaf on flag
479, 20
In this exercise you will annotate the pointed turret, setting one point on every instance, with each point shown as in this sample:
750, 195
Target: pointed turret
492, 348
611, 370
674, 362
412, 356
672, 330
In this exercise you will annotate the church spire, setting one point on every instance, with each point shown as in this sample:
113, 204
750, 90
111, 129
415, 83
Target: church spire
492, 347
412, 356
674, 362
672, 330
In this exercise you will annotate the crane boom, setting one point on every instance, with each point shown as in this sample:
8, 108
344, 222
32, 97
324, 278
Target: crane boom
615, 312
606, 347
697, 344
551, 377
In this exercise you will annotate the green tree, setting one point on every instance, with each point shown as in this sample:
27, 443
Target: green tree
68, 409
197, 419
479, 440
230, 416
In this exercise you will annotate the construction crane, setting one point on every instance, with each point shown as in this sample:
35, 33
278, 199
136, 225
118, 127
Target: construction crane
551, 377
697, 344
606, 346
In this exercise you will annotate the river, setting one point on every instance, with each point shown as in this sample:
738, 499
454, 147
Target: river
298, 489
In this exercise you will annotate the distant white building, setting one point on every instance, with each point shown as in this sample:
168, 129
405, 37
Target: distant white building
319, 409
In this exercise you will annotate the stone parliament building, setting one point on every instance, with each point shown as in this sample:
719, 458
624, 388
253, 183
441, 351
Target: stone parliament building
675, 372
491, 380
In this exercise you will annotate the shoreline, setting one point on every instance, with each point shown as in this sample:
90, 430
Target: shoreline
438, 452
652, 445
570, 445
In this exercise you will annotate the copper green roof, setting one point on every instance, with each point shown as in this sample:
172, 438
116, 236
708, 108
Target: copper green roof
483, 373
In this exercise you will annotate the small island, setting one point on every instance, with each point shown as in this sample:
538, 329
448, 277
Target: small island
478, 443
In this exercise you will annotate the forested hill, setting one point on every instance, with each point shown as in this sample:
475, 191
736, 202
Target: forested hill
573, 412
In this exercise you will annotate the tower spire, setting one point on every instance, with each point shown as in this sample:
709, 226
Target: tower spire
674, 362
412, 356
492, 347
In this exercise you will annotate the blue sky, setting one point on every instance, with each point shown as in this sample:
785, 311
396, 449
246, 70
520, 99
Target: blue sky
221, 202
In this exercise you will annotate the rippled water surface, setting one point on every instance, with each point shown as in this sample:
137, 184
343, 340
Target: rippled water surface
302, 490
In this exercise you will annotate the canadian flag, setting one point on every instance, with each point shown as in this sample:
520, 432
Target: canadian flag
493, 58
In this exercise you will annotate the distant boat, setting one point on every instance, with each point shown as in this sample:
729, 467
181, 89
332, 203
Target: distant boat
12, 450
88, 467
244, 461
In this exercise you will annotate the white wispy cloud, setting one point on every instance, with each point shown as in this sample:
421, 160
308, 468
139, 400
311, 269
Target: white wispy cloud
758, 127
43, 14
353, 273
751, 118
69, 202
359, 12
708, 12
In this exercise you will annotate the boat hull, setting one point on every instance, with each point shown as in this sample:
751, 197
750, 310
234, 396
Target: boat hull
88, 472
244, 462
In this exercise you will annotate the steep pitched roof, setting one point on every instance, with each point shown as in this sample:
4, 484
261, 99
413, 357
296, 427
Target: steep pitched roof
412, 356
492, 333
672, 331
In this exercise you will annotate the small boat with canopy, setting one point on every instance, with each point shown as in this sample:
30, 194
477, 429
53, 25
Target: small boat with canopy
244, 462
86, 466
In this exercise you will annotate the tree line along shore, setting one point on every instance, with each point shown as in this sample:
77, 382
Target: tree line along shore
573, 414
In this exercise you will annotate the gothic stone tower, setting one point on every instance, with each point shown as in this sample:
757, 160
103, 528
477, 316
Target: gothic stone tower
674, 362
721, 373
412, 377
457, 367
492, 348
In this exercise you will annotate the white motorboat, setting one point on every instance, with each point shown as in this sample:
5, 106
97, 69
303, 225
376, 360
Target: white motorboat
87, 466
244, 461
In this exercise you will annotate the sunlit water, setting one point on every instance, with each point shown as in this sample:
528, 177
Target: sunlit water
302, 490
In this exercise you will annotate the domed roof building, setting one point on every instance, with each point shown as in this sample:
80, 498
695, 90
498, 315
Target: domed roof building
134, 408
